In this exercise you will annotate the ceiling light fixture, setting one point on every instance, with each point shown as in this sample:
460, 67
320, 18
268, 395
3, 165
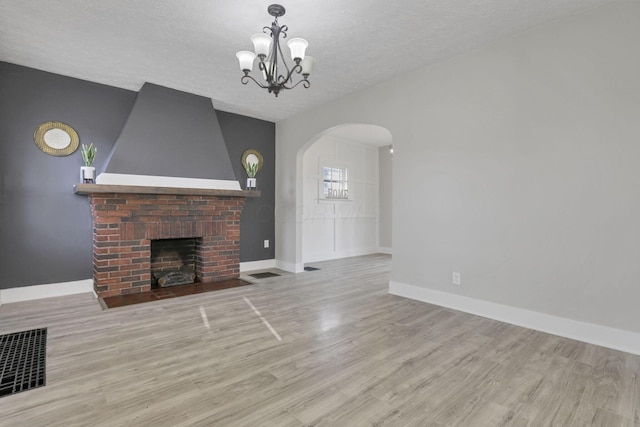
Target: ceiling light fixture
267, 49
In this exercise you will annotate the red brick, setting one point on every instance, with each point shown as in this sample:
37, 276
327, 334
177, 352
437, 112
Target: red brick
119, 213
122, 261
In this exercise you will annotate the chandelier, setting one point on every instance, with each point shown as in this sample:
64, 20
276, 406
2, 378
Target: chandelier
276, 74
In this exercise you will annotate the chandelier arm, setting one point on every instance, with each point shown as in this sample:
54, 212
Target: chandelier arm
305, 83
272, 31
245, 79
297, 69
262, 67
273, 56
286, 67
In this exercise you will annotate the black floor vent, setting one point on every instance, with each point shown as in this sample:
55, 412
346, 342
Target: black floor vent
22, 361
311, 269
264, 275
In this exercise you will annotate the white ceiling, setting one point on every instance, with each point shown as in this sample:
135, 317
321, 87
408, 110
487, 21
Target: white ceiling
191, 45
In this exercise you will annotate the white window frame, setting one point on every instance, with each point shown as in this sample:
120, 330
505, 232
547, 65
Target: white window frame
339, 181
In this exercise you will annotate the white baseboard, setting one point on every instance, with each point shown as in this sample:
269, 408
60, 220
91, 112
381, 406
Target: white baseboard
257, 265
290, 266
28, 293
385, 250
604, 336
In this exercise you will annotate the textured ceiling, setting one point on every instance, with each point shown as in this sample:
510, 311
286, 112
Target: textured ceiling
191, 45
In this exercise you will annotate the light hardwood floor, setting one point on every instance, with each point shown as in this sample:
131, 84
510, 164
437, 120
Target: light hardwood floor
350, 355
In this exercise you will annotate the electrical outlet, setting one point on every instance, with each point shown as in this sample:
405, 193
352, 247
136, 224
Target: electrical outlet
456, 279
266, 244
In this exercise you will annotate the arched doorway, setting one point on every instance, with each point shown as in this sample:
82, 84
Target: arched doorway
343, 207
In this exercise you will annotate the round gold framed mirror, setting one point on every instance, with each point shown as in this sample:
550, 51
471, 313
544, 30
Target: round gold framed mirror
56, 138
251, 157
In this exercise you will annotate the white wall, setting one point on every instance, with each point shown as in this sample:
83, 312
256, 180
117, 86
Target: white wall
517, 164
386, 199
338, 229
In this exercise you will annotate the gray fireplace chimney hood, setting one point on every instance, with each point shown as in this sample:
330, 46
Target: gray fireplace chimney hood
171, 139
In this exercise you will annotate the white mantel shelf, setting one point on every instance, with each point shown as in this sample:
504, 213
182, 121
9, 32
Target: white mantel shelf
136, 189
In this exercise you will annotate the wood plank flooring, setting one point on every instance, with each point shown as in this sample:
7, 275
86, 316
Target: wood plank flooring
350, 355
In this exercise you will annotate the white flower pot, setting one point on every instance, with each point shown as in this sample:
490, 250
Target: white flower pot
251, 183
87, 174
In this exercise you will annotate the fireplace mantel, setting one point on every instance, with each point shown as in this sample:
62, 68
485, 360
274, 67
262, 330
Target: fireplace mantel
136, 189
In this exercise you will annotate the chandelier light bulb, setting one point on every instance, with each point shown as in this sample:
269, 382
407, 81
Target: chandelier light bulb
307, 65
261, 44
297, 47
245, 58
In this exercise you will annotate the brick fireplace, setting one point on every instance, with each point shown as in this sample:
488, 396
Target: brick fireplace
126, 222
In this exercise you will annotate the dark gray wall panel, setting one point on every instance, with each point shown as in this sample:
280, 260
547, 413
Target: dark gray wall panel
171, 133
257, 223
45, 229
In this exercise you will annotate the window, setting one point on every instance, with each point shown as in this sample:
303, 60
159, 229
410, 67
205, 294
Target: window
335, 183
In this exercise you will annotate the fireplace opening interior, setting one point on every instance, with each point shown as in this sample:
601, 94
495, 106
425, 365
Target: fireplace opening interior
173, 261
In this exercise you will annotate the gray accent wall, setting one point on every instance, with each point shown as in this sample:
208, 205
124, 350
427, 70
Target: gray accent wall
171, 133
45, 234
45, 229
257, 223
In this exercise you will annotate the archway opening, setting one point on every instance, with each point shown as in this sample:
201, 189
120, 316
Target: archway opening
346, 193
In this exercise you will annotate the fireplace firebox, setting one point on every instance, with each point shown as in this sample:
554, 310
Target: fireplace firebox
173, 261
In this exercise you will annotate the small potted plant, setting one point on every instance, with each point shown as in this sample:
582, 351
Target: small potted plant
88, 172
252, 170
252, 163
